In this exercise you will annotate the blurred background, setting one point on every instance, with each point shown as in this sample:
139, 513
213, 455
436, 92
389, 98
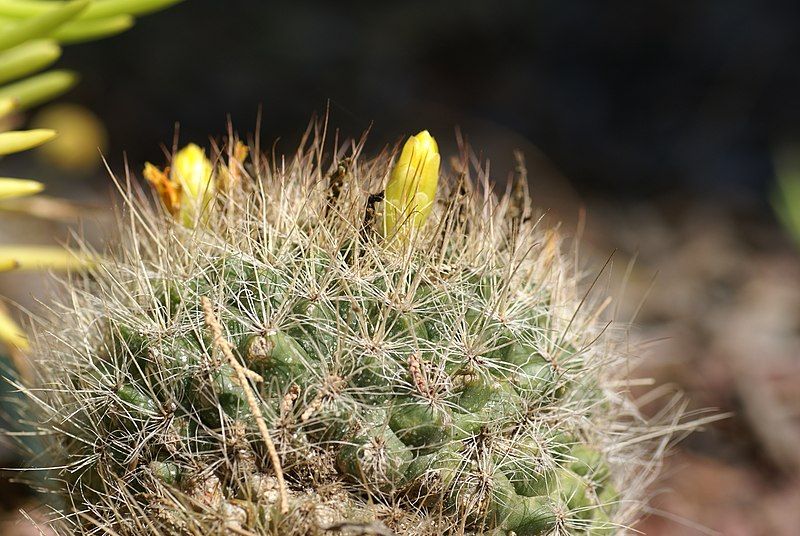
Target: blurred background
662, 120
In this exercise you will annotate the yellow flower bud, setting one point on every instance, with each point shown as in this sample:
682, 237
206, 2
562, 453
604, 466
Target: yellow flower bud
411, 189
192, 170
186, 188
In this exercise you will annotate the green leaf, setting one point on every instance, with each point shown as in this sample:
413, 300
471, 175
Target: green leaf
41, 25
90, 30
16, 141
7, 105
27, 58
40, 88
40, 258
11, 333
12, 188
786, 197
98, 10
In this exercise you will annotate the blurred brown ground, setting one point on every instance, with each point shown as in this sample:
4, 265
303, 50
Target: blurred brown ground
722, 323
718, 298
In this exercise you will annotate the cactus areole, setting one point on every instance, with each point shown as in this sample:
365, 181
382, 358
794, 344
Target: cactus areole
313, 355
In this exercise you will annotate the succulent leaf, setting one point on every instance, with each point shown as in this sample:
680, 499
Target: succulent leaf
17, 141
41, 25
40, 257
27, 58
12, 188
40, 88
80, 31
97, 10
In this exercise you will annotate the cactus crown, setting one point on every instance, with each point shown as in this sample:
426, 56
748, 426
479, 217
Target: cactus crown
454, 384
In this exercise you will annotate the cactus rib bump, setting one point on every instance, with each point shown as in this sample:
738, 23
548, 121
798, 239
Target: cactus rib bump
453, 382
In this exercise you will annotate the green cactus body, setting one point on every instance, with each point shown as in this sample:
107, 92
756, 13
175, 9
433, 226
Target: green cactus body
433, 385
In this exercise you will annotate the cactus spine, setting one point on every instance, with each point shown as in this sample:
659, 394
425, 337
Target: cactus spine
282, 365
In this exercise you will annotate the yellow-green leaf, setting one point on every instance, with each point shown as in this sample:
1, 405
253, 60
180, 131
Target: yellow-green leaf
40, 258
48, 208
98, 10
11, 333
42, 24
11, 188
88, 30
7, 106
40, 88
27, 58
16, 141
786, 196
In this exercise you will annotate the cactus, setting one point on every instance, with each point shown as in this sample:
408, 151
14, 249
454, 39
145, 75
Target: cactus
284, 364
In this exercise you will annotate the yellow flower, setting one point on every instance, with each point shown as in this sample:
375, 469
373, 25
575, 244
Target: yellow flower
410, 193
186, 188
192, 170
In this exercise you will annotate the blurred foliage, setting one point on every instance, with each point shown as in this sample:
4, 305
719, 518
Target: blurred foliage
31, 35
81, 140
786, 197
